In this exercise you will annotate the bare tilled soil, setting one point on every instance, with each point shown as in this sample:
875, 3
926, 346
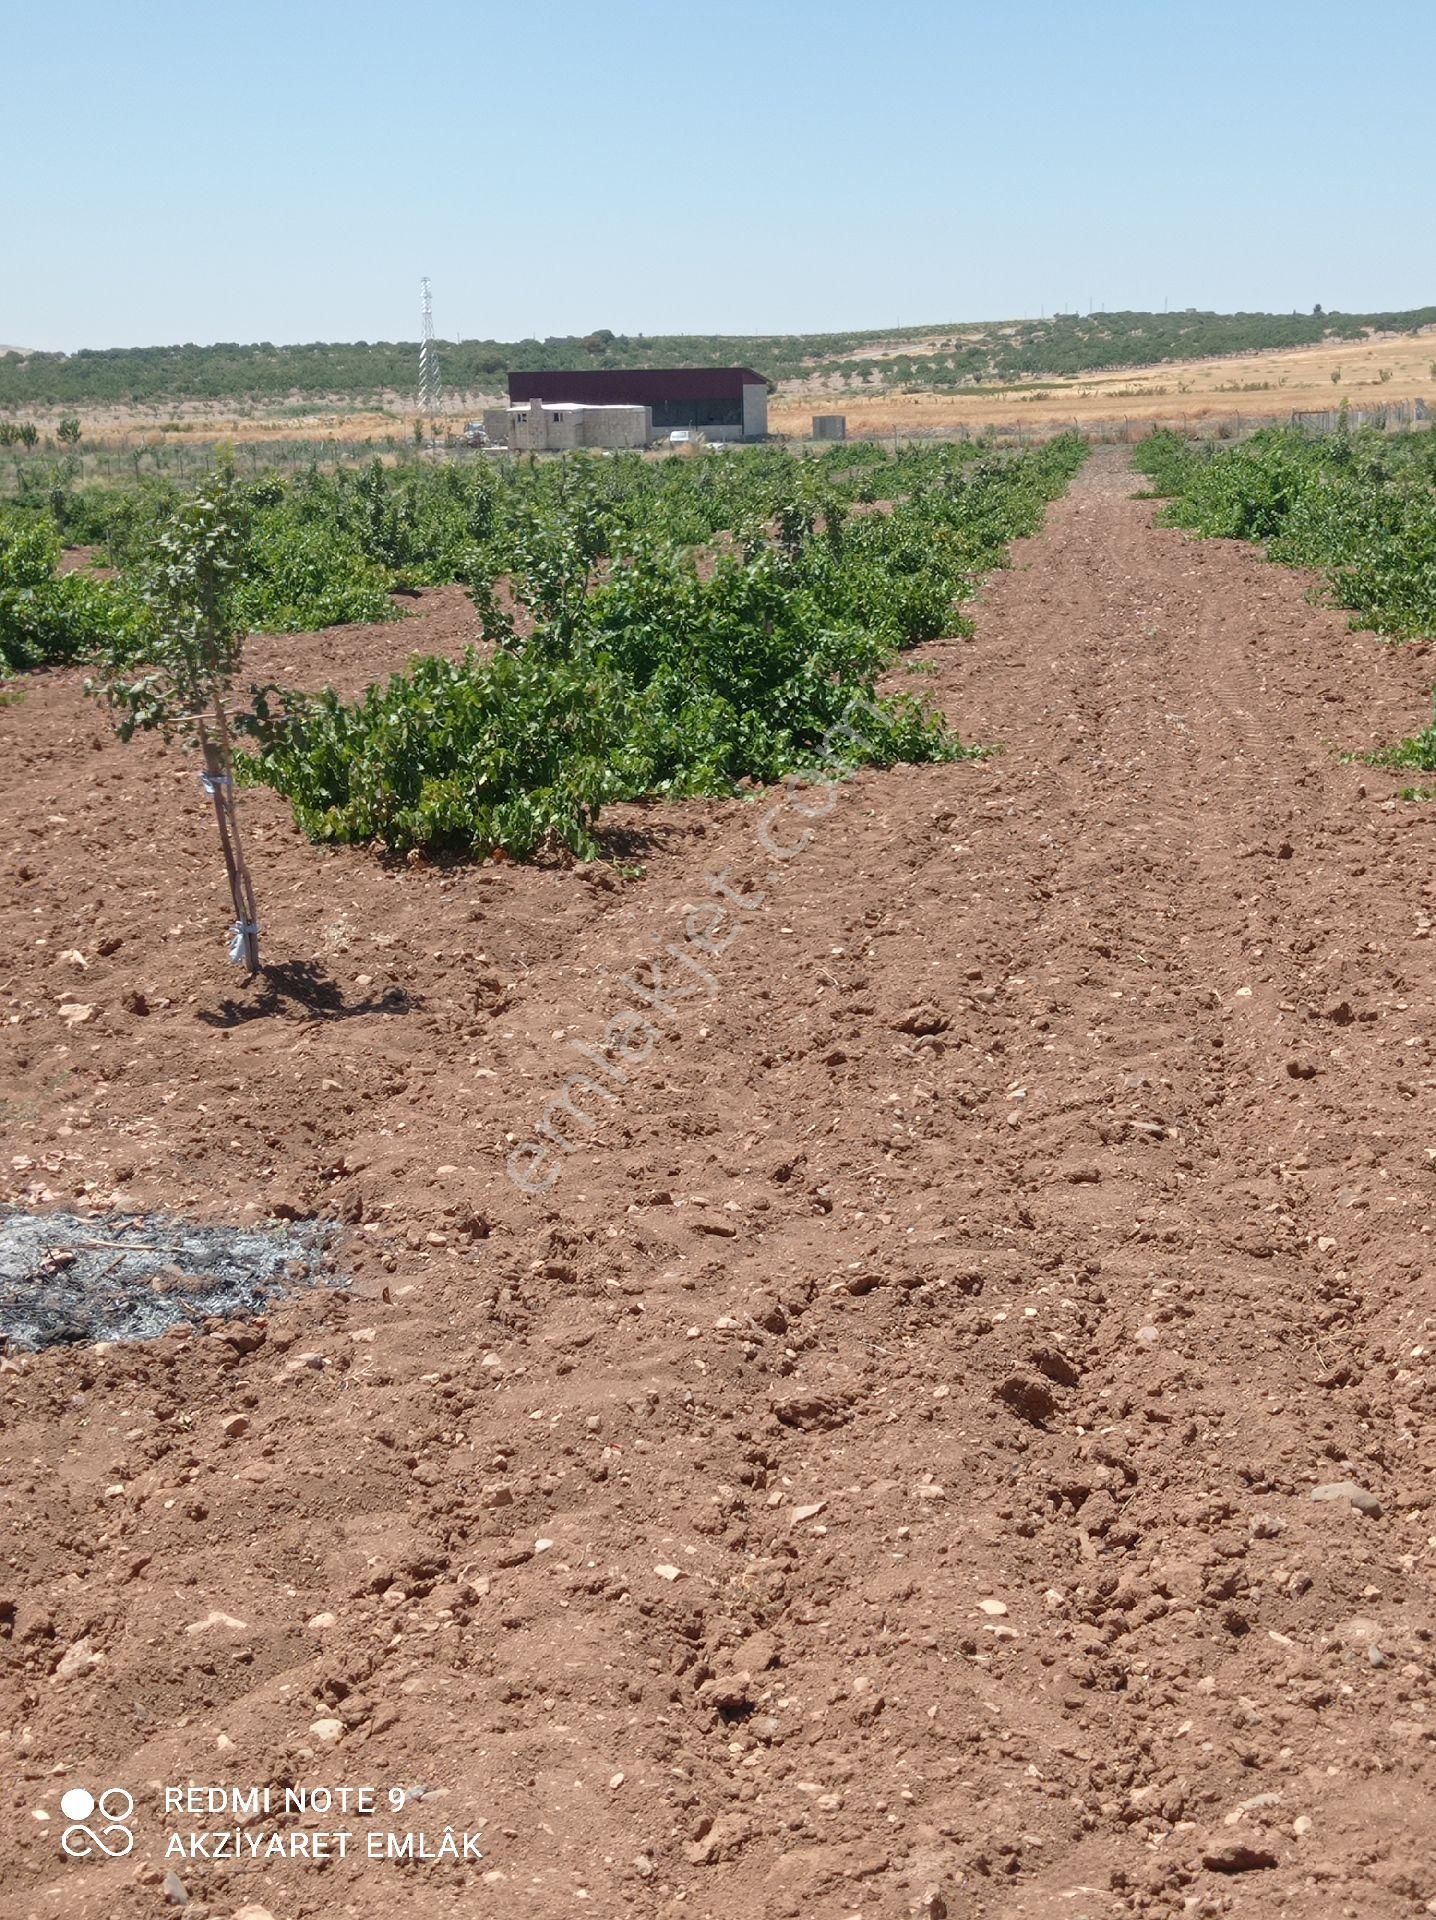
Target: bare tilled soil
952, 1435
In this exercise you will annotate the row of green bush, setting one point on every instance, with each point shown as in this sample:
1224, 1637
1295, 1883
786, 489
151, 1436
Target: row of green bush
1361, 507
655, 628
652, 666
48, 618
331, 547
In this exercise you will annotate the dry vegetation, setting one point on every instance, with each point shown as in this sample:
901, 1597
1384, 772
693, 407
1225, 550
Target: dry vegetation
1285, 379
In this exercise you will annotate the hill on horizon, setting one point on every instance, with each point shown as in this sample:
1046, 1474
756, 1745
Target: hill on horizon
943, 357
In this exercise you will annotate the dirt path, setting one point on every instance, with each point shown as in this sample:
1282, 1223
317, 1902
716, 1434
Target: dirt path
874, 1478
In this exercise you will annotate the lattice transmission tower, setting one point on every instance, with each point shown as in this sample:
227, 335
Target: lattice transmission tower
431, 390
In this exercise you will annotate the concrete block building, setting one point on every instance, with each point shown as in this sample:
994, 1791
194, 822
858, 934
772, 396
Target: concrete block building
725, 403
543, 426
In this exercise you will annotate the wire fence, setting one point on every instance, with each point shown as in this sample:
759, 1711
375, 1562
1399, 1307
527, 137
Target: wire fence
1396, 416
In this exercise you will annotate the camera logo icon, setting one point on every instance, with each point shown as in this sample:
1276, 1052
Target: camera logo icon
109, 1835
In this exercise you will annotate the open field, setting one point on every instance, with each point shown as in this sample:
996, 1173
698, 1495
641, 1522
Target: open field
208, 421
1201, 391
876, 1479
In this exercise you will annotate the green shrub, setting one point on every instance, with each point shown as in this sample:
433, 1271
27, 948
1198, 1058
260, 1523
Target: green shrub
1167, 459
1360, 507
740, 676
659, 659
1419, 752
304, 577
514, 752
48, 618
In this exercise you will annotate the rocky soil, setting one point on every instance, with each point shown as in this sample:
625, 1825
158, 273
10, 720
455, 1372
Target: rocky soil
952, 1436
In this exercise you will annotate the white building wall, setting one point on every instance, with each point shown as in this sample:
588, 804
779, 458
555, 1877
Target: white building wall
617, 426
563, 427
539, 426
755, 412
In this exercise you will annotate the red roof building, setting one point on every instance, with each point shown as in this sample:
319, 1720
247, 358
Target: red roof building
728, 403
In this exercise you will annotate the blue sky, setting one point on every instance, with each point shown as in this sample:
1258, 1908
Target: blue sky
250, 170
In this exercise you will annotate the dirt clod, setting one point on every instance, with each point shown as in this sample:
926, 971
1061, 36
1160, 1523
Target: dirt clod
1238, 1856
1029, 1396
1349, 1493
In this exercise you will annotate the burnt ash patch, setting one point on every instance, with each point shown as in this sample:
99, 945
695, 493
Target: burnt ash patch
67, 1280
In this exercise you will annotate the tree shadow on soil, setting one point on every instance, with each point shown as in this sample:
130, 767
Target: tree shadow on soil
632, 839
301, 989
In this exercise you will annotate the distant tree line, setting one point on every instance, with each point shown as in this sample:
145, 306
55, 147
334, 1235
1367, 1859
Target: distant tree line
994, 352
361, 370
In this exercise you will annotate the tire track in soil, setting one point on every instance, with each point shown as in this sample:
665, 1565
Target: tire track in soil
921, 1423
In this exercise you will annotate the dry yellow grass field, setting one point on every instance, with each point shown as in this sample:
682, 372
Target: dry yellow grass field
1203, 390
1385, 368
203, 422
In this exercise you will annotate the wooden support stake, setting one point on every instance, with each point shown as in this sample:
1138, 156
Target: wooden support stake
219, 783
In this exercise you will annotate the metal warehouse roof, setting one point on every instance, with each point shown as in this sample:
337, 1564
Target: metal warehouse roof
580, 406
634, 386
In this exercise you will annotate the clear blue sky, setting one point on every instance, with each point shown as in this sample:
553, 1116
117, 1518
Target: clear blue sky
243, 171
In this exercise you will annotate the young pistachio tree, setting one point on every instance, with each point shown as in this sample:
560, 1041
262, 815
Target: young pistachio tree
178, 681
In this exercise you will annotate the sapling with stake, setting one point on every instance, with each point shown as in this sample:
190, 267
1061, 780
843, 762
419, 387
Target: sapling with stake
179, 683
